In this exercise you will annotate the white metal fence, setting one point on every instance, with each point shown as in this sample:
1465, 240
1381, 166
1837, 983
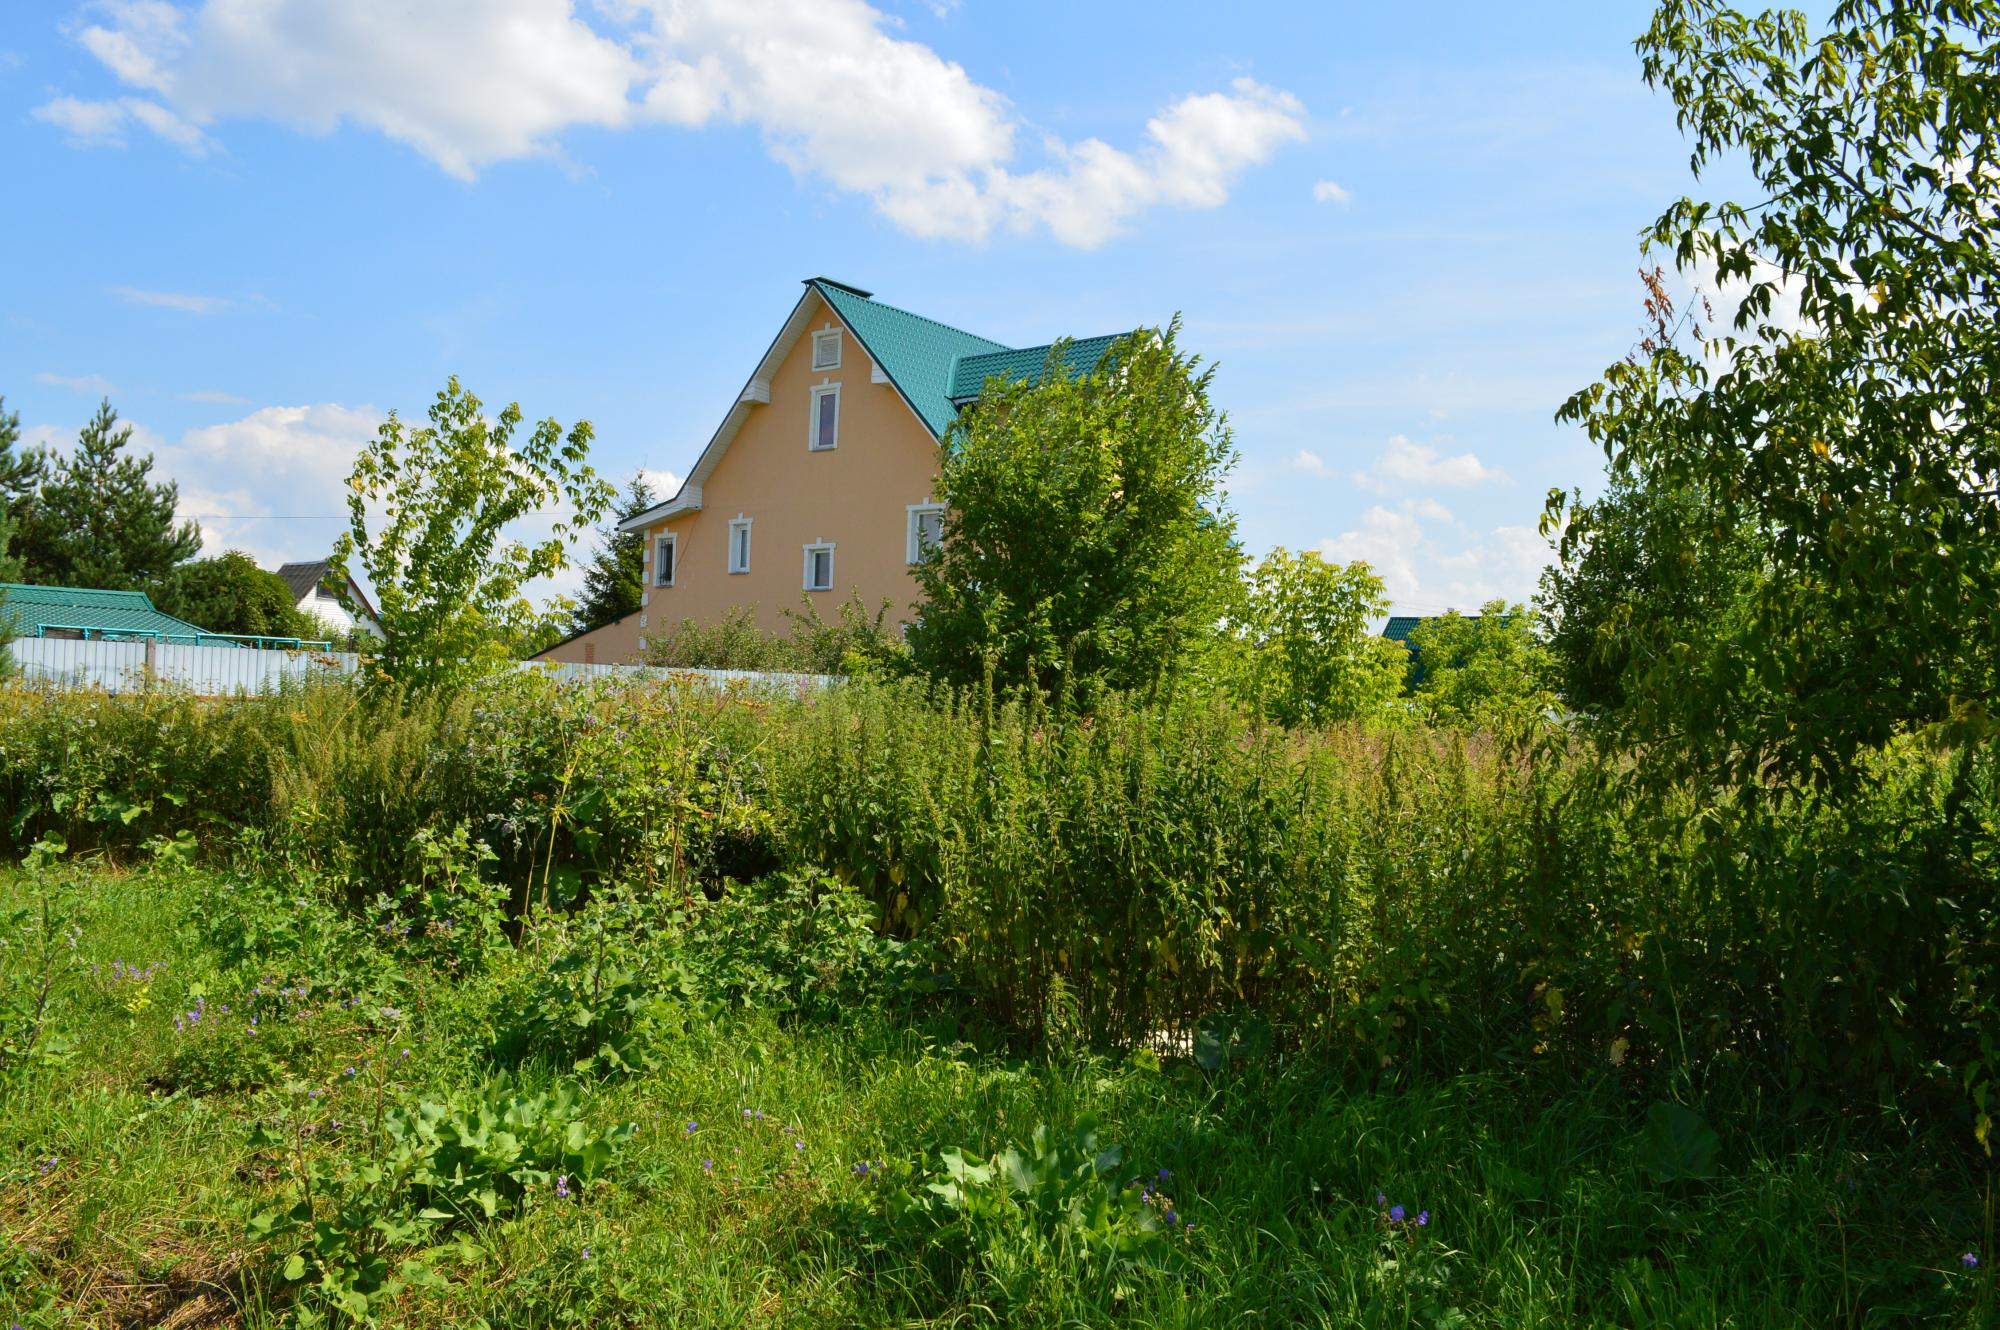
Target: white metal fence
220, 671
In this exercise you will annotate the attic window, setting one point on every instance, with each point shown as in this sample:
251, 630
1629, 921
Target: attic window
826, 350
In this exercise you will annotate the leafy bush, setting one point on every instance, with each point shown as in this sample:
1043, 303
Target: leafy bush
599, 1002
802, 943
345, 1235
854, 643
1008, 1218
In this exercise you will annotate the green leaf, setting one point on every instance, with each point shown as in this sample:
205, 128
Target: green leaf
1678, 1145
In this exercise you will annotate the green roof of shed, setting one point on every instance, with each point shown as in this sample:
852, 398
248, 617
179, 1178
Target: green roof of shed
35, 608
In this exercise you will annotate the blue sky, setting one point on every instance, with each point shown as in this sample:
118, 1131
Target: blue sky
1405, 233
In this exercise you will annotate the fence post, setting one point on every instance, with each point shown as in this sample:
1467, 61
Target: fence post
152, 659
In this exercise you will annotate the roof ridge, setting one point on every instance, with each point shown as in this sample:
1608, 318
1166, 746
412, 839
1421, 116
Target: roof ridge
912, 314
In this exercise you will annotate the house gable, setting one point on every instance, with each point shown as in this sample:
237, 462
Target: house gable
819, 515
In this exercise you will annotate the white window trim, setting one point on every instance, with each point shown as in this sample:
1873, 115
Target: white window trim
672, 540
912, 553
812, 418
826, 337
742, 523
812, 549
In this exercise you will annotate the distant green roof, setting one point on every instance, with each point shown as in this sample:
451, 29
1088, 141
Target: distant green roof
969, 377
35, 610
937, 367
1400, 625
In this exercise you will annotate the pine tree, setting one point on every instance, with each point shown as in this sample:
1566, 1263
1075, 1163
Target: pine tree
18, 473
100, 520
615, 576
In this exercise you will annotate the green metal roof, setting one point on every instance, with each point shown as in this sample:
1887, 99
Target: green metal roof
934, 366
915, 352
112, 613
1399, 626
969, 376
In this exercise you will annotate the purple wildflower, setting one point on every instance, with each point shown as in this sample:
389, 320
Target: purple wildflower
708, 1165
1395, 1214
562, 1186
586, 1253
1423, 1218
1171, 1218
1379, 1198
1969, 1261
691, 1127
798, 1145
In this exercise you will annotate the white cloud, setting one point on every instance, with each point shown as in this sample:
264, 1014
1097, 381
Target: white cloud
1407, 463
834, 94
1326, 191
186, 303
1387, 541
94, 384
665, 483
102, 124
1311, 463
1430, 562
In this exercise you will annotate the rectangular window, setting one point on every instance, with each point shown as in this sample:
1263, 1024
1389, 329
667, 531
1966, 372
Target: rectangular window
819, 567
825, 417
926, 529
663, 561
826, 350
739, 545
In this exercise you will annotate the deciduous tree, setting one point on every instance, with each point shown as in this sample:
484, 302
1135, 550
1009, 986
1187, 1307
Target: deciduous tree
231, 594
449, 582
1488, 669
1085, 523
1843, 412
1309, 655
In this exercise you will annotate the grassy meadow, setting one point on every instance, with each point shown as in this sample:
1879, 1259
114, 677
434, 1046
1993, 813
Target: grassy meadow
650, 1007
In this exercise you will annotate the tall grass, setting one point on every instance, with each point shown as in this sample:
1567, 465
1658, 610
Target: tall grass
123, 1198
1402, 899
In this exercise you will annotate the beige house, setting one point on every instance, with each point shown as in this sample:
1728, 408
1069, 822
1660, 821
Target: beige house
819, 482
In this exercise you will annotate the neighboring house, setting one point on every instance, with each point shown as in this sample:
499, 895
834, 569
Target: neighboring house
1400, 626
331, 598
81, 612
614, 643
819, 482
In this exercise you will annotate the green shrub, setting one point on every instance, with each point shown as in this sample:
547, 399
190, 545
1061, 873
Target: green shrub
601, 999
804, 944
1004, 1221
346, 1235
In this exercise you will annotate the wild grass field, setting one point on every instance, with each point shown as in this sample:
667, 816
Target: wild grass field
646, 1007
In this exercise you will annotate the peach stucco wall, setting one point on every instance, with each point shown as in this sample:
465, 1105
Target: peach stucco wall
854, 496
616, 643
